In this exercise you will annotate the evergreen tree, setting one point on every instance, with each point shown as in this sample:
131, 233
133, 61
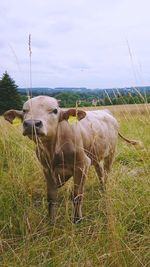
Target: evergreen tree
9, 96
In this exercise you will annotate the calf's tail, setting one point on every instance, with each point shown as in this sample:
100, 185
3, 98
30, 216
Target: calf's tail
132, 142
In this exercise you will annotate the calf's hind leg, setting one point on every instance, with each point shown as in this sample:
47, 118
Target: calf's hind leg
103, 169
101, 175
108, 163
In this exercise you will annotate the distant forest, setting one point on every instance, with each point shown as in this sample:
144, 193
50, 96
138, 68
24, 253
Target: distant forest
92, 97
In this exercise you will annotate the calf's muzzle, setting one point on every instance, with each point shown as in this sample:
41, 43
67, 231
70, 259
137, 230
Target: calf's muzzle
31, 126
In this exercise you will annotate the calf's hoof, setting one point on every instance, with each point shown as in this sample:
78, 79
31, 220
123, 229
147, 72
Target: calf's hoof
77, 220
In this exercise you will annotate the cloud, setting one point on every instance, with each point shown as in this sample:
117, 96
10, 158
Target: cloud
76, 43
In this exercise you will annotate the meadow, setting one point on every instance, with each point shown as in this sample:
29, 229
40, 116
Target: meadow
116, 226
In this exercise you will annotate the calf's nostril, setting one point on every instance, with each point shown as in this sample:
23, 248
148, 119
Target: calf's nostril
26, 124
38, 124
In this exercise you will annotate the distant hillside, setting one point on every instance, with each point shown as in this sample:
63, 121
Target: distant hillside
69, 96
97, 91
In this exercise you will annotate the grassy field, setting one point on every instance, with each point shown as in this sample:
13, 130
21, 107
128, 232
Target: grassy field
116, 226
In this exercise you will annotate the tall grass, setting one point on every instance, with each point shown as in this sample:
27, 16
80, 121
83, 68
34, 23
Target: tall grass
116, 226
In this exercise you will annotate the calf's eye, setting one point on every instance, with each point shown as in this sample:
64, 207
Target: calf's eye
55, 111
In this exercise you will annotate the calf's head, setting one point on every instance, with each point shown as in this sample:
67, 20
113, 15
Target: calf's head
41, 115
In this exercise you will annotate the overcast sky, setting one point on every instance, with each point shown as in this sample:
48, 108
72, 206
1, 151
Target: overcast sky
79, 43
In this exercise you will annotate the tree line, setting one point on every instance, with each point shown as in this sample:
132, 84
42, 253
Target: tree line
11, 98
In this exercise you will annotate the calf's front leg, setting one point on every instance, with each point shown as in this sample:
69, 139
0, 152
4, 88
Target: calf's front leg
79, 181
51, 196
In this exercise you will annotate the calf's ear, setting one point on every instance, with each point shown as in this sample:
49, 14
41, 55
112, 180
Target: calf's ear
76, 113
11, 114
